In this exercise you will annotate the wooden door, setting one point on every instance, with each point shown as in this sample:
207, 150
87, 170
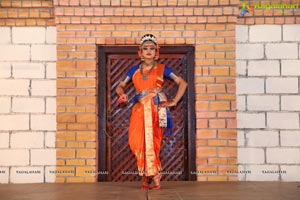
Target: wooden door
115, 156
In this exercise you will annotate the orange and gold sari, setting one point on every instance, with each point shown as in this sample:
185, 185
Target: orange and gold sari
145, 135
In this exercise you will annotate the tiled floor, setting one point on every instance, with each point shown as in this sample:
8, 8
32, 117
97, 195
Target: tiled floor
169, 190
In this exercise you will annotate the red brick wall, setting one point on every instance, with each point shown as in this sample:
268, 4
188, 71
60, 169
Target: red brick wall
26, 13
210, 27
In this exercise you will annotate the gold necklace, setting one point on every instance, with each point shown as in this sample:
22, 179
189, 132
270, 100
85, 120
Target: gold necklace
144, 76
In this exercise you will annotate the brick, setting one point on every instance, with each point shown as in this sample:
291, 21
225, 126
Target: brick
216, 88
51, 34
225, 62
65, 136
216, 123
43, 122
226, 96
77, 109
227, 134
283, 155
5, 104
206, 151
85, 171
76, 162
65, 153
217, 161
249, 85
251, 155
5, 70
265, 33
4, 176
8, 122
86, 65
27, 175
86, 136
50, 105
65, 117
219, 71
249, 51
227, 152
14, 87
282, 51
65, 101
65, 83
64, 171
206, 134
228, 170
91, 127
262, 138
250, 120
282, 85
231, 123
86, 100
75, 92
43, 157
27, 140
262, 103
43, 87
225, 47
219, 105
14, 157
201, 143
28, 35
28, 70
283, 120
202, 105
217, 143
28, 105
85, 83
92, 145
4, 141
43, 52
242, 33
290, 67
263, 68
5, 35
291, 32
50, 139
65, 65
75, 144
290, 103
258, 173
292, 173
241, 103
50, 177
290, 138
86, 153
76, 74
241, 138
14, 52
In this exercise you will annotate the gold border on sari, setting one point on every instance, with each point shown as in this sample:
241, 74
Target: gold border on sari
150, 157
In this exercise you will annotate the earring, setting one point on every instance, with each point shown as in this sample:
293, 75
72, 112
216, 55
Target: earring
142, 58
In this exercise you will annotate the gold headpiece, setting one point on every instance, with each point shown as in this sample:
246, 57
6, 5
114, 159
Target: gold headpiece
148, 37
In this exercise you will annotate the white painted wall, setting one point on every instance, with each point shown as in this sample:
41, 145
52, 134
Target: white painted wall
27, 104
268, 102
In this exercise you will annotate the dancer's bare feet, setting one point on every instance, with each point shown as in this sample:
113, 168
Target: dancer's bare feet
156, 180
146, 181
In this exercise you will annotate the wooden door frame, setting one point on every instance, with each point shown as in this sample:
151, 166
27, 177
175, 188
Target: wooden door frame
102, 101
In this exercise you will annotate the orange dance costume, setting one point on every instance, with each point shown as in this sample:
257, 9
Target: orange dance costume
145, 133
